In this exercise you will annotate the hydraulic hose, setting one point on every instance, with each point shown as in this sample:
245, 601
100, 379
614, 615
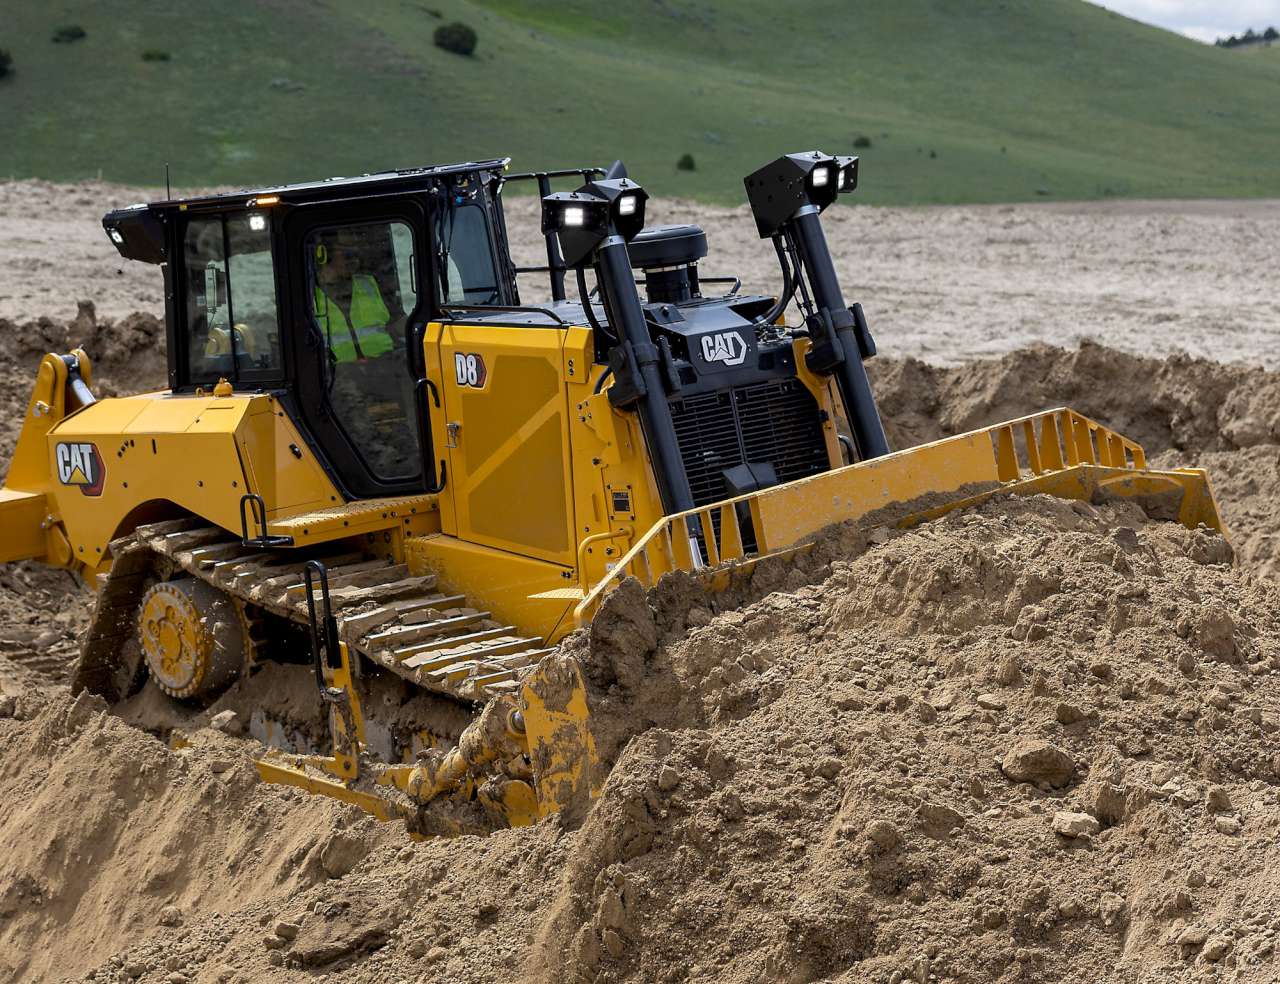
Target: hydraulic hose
788, 286
590, 311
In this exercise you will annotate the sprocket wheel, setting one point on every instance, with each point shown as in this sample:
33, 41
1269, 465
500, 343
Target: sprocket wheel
193, 637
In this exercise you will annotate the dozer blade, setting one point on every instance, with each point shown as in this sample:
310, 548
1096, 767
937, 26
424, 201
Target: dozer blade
1056, 452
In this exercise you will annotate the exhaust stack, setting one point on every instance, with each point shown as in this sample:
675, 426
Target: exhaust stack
594, 224
787, 197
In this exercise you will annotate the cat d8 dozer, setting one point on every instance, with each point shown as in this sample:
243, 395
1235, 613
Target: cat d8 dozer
373, 457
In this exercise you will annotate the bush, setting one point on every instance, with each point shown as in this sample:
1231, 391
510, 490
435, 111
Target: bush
686, 163
155, 55
6, 63
862, 140
1270, 34
67, 34
456, 37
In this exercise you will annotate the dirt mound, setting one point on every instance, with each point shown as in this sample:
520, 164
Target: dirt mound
1185, 412
127, 356
1178, 402
1032, 741
45, 611
874, 783
105, 834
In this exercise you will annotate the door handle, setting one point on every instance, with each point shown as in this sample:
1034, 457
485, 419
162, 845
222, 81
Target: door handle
452, 428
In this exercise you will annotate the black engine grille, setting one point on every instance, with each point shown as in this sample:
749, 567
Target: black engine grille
775, 422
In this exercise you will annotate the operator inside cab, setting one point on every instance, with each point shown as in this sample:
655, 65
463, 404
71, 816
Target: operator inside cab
349, 305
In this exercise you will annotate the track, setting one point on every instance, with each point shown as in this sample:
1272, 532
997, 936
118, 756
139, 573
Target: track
398, 621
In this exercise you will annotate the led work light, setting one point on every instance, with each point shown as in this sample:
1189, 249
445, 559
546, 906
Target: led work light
585, 218
779, 190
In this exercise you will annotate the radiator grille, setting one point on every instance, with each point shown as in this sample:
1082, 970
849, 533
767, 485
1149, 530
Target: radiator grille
775, 422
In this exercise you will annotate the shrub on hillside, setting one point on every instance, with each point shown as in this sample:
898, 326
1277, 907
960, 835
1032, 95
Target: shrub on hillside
1249, 37
862, 140
68, 33
6, 63
685, 163
155, 55
456, 37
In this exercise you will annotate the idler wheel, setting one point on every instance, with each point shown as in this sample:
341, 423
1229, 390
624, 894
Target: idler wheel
192, 637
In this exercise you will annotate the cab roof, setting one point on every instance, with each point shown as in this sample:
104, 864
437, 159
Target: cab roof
380, 181
137, 231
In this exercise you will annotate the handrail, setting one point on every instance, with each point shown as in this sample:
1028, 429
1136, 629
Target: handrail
555, 268
323, 626
432, 478
449, 310
784, 516
264, 540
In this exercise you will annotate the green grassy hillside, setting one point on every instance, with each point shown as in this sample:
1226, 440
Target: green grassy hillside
985, 100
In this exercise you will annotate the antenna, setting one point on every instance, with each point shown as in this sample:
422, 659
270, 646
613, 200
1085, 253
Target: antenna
167, 193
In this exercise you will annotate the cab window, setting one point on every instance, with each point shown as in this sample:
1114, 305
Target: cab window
466, 255
362, 289
232, 321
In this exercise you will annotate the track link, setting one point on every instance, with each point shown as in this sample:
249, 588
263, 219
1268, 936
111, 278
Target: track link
400, 622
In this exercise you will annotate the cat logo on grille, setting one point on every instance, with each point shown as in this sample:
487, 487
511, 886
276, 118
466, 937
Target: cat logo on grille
727, 347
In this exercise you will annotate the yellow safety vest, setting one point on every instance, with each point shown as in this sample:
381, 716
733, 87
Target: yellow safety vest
364, 334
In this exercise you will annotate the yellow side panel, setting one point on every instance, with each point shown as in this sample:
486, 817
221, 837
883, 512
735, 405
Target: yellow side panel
494, 581
288, 481
153, 413
200, 453
509, 468
200, 471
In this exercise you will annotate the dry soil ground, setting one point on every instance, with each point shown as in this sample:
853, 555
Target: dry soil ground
1033, 741
944, 284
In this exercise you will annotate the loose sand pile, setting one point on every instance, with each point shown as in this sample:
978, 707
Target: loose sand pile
1033, 741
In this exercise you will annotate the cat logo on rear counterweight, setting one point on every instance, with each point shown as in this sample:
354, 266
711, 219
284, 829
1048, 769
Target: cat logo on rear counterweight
80, 465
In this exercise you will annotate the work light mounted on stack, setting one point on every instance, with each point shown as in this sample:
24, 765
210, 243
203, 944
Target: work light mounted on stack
787, 196
582, 220
780, 189
594, 225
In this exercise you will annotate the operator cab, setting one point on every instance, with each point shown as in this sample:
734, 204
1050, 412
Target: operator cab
320, 293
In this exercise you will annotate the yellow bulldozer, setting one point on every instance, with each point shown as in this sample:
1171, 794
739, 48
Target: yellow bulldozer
373, 458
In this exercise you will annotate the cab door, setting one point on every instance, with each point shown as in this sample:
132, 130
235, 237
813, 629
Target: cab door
507, 438
356, 308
